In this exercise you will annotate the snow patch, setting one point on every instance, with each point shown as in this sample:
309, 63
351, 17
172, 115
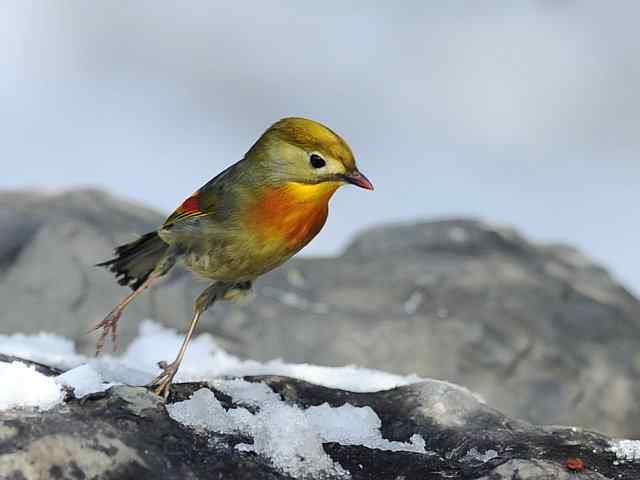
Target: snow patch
289, 436
83, 380
280, 432
474, 455
46, 348
204, 361
23, 386
626, 450
349, 425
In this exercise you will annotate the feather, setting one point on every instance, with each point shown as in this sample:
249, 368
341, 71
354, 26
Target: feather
188, 209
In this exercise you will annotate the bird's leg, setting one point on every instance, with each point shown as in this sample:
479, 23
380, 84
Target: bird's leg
219, 290
163, 381
110, 323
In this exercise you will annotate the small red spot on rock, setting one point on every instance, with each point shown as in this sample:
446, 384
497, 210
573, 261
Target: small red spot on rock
575, 464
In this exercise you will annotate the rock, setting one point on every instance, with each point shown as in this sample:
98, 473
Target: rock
540, 331
126, 433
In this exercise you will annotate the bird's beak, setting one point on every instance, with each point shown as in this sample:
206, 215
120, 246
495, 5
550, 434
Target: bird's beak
358, 179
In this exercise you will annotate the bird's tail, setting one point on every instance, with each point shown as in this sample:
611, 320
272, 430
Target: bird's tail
134, 261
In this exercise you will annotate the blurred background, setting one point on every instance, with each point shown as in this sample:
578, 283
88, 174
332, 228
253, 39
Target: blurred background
517, 113
524, 113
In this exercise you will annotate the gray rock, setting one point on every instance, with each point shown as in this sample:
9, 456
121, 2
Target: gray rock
540, 331
125, 433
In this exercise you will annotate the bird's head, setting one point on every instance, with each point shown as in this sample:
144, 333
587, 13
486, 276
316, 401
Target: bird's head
302, 151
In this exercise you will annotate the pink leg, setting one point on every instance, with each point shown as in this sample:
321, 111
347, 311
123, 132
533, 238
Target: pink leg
225, 291
163, 381
110, 322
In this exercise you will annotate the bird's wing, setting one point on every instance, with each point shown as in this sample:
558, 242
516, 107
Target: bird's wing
204, 200
190, 208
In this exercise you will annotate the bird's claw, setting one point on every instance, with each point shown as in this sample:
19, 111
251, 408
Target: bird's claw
109, 326
162, 383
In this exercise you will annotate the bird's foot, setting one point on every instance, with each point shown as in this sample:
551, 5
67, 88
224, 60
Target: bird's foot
109, 326
162, 383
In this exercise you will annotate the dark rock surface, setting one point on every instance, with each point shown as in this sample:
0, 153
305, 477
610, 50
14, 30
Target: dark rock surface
540, 331
125, 433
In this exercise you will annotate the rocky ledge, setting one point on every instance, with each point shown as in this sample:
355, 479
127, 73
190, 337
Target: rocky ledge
429, 430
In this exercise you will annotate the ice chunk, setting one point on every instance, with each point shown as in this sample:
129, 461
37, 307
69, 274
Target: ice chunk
202, 410
247, 393
83, 380
349, 425
23, 386
112, 370
100, 375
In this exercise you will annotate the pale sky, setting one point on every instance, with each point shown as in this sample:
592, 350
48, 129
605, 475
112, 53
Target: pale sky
522, 113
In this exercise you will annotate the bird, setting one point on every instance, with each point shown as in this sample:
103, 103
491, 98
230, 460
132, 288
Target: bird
246, 221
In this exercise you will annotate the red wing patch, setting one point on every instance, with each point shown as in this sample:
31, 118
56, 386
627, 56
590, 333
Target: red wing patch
190, 205
189, 208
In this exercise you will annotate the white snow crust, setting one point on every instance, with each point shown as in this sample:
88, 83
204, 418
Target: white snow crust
289, 436
626, 450
474, 455
23, 386
204, 361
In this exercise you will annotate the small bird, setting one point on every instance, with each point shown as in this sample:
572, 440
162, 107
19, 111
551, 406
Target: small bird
244, 222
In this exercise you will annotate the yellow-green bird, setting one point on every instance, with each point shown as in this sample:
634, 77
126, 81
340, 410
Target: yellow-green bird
247, 220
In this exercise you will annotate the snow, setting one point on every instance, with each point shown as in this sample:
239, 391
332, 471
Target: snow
474, 455
279, 431
204, 361
289, 436
138, 366
47, 348
83, 380
23, 386
349, 425
626, 450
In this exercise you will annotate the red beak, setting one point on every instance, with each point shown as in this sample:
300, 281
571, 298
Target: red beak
358, 179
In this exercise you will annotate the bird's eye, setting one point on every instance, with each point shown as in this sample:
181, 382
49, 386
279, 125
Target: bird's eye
317, 161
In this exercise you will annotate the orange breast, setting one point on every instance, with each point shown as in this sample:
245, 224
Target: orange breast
290, 216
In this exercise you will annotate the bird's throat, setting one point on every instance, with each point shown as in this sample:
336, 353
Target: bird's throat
291, 215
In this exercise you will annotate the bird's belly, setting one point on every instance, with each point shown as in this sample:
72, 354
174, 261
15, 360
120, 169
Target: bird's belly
236, 261
224, 264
